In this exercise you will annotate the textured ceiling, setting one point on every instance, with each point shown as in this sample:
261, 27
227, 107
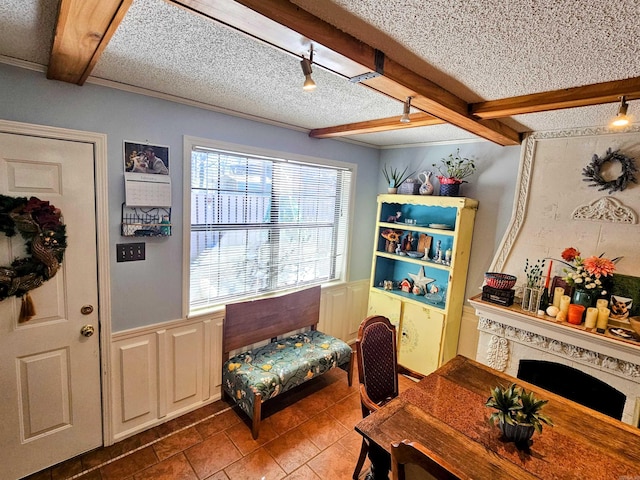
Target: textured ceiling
479, 50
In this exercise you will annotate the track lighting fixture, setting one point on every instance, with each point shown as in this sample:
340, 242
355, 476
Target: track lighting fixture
405, 114
305, 63
621, 118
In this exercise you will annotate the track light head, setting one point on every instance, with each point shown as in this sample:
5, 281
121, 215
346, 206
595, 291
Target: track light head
309, 84
621, 118
405, 118
305, 63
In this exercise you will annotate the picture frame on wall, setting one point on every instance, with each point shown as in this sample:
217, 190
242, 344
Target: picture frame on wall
140, 157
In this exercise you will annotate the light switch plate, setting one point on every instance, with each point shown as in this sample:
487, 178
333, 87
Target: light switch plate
130, 252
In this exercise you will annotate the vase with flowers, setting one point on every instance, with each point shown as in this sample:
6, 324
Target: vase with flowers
453, 170
392, 238
589, 276
533, 289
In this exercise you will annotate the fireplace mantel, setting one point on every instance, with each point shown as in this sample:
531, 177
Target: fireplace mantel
508, 335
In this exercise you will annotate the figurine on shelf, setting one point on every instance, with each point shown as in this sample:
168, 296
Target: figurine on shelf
405, 285
394, 218
408, 242
435, 294
416, 290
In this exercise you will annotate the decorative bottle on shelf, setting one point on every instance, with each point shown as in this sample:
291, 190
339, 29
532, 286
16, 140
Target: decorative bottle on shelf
544, 299
165, 228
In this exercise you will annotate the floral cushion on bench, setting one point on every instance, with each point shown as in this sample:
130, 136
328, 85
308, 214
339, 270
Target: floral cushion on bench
282, 365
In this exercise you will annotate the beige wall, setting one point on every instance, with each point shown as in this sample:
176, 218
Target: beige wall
552, 187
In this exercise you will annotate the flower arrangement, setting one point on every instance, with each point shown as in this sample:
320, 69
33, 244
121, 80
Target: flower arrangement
533, 271
455, 168
394, 177
391, 235
587, 273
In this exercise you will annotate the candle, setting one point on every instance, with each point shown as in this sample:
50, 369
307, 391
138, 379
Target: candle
558, 292
565, 300
591, 318
603, 319
602, 302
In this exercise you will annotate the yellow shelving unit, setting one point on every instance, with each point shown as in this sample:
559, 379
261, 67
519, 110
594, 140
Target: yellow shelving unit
428, 323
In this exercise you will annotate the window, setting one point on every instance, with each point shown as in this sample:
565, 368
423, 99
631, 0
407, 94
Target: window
261, 224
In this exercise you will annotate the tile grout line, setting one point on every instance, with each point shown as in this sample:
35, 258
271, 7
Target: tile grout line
111, 460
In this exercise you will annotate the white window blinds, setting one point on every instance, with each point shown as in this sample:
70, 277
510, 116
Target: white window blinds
263, 224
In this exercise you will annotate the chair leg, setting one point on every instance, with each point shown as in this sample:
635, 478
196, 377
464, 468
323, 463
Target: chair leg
257, 412
350, 371
363, 456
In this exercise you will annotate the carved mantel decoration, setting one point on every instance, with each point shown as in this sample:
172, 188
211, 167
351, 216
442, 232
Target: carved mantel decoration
498, 352
606, 209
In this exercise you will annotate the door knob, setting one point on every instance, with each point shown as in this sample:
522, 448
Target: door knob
87, 330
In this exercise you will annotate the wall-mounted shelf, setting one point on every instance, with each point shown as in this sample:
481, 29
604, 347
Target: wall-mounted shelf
145, 221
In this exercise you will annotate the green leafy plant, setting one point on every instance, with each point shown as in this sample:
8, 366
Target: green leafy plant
394, 177
455, 167
515, 406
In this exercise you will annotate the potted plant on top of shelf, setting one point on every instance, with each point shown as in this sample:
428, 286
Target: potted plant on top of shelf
394, 177
517, 413
453, 170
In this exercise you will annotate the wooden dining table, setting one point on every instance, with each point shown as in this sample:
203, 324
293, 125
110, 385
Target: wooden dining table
446, 413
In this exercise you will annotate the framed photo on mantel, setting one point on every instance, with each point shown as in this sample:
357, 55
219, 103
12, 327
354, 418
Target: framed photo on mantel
625, 296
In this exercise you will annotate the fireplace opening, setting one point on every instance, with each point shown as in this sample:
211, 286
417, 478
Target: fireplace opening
575, 385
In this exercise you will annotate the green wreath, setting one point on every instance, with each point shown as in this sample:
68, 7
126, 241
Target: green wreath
41, 226
592, 172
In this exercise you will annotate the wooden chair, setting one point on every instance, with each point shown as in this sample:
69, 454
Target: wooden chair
376, 351
406, 452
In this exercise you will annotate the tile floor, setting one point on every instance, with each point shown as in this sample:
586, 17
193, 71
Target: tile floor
306, 434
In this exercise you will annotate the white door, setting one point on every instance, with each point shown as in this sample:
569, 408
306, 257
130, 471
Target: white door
50, 403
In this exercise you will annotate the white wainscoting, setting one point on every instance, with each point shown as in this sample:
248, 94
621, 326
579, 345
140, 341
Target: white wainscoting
165, 370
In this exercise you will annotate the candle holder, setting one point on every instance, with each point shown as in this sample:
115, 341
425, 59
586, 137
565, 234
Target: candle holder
531, 298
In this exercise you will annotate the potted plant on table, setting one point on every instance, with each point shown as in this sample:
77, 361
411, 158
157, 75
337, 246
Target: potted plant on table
517, 413
453, 170
394, 177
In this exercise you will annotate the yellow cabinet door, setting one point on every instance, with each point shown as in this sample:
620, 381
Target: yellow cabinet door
420, 338
385, 305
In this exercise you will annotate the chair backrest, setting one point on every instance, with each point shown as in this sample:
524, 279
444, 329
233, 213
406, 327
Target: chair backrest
377, 358
413, 453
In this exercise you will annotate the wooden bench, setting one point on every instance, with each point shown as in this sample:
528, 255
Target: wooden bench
255, 376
